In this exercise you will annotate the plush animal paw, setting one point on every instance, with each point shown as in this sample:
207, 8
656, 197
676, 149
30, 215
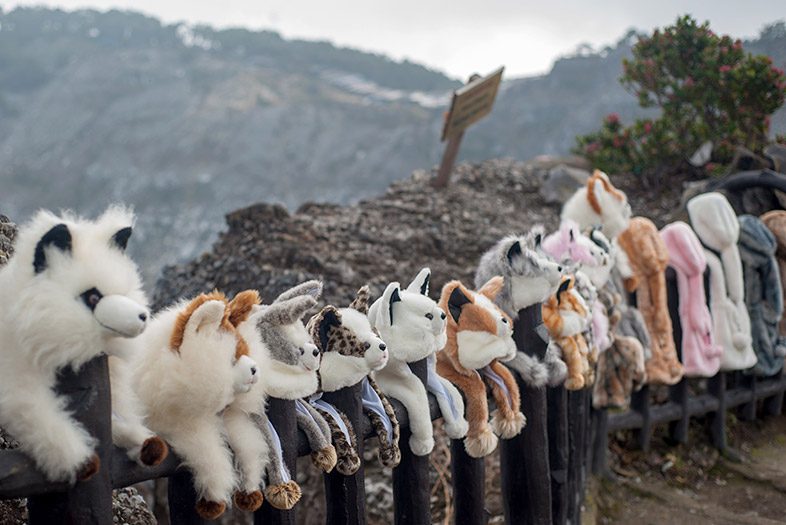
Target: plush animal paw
325, 459
574, 383
89, 468
348, 462
283, 496
154, 451
507, 427
389, 455
248, 501
210, 510
456, 429
481, 445
538, 375
421, 447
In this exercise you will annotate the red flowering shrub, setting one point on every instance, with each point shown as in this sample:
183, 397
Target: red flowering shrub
707, 88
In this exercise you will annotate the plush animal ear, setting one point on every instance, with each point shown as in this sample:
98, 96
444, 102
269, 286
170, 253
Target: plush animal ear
456, 301
538, 240
563, 287
326, 319
493, 287
394, 298
421, 282
199, 314
287, 312
360, 303
241, 306
571, 235
58, 237
515, 250
120, 238
312, 288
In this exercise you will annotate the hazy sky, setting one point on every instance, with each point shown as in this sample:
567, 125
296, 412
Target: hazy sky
457, 36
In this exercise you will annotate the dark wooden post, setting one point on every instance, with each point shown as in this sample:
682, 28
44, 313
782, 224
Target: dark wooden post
600, 436
411, 484
281, 413
558, 452
524, 460
345, 496
182, 499
448, 160
576, 445
678, 430
716, 386
747, 411
640, 402
773, 405
468, 475
89, 399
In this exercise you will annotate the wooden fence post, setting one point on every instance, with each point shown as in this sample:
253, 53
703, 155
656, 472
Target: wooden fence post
89, 399
600, 442
281, 413
411, 484
345, 496
524, 459
182, 499
577, 416
468, 475
716, 386
557, 398
747, 412
678, 430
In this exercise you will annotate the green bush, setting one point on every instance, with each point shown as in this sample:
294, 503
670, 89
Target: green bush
707, 88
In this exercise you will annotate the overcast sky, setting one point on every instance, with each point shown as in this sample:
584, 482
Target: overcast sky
457, 36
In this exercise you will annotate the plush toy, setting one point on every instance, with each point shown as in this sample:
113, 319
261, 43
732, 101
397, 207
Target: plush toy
69, 292
716, 226
649, 257
529, 278
763, 293
700, 354
776, 222
413, 326
292, 361
351, 351
479, 339
565, 317
253, 439
192, 365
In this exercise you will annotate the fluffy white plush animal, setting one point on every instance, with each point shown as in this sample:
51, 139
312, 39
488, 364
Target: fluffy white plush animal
599, 203
192, 365
414, 326
68, 290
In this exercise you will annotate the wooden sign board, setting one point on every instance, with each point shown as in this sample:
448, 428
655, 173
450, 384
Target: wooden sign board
471, 103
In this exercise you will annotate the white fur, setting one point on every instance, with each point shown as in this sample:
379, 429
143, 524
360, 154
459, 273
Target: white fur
184, 393
418, 331
45, 326
615, 213
478, 349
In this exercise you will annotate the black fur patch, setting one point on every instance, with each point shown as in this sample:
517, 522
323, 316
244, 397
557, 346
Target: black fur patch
598, 241
538, 239
563, 287
456, 301
394, 298
121, 237
329, 320
424, 286
59, 237
514, 251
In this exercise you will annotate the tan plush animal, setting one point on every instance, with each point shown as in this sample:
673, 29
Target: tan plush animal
565, 317
479, 337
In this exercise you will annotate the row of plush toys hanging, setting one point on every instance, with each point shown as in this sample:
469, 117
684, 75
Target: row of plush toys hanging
196, 376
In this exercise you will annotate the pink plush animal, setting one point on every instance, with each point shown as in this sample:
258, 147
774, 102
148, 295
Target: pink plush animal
569, 245
700, 354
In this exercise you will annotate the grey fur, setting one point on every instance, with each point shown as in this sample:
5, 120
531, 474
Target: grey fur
279, 314
312, 288
318, 435
495, 262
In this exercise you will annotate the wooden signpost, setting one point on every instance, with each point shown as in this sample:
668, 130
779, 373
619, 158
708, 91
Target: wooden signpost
470, 104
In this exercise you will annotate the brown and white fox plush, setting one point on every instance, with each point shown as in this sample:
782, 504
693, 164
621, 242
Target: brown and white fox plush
479, 338
565, 317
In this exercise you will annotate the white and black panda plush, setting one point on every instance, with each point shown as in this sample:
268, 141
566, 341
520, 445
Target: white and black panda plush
413, 326
69, 292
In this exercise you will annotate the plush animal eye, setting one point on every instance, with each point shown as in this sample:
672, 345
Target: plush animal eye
91, 298
302, 351
367, 345
429, 316
504, 320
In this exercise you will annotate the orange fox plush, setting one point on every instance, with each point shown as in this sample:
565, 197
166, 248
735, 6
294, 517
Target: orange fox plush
565, 317
479, 337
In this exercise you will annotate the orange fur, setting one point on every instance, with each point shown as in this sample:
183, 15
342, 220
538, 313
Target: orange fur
575, 351
241, 305
176, 338
592, 198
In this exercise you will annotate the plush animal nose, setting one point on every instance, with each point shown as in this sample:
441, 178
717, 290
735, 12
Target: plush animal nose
253, 370
143, 317
382, 346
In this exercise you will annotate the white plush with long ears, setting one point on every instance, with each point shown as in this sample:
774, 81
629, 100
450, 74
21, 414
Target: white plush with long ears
413, 326
69, 292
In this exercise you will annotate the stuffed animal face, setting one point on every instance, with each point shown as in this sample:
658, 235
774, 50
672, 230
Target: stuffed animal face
533, 275
571, 308
483, 331
569, 246
351, 348
599, 201
410, 322
601, 273
73, 277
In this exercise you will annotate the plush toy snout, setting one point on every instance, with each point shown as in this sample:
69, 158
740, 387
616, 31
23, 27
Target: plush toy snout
246, 374
309, 357
121, 316
377, 355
